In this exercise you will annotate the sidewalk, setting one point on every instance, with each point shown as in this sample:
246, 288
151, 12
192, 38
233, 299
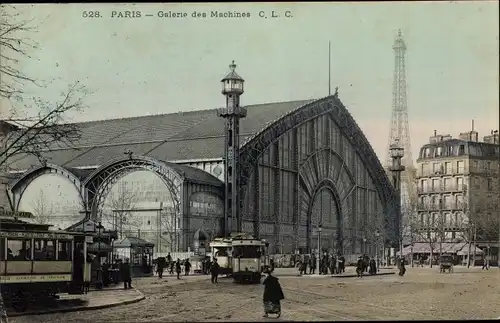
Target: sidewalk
95, 299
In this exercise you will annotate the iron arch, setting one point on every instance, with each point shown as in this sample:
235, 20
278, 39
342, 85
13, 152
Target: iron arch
99, 182
19, 186
329, 185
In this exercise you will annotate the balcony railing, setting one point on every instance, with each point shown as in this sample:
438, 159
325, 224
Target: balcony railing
441, 172
443, 207
441, 189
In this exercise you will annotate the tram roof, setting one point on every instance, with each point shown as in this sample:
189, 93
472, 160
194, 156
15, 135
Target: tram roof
177, 136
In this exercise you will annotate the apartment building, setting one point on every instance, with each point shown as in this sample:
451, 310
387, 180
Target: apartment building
458, 187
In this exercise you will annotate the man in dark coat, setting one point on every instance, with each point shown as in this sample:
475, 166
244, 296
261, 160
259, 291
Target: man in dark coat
360, 266
214, 270
402, 269
160, 266
273, 295
373, 267
125, 273
187, 267
178, 269
341, 264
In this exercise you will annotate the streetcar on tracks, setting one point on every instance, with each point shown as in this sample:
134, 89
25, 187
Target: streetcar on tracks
221, 250
247, 258
37, 263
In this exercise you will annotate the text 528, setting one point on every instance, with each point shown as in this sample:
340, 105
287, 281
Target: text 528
91, 14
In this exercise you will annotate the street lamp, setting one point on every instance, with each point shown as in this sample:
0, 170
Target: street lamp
364, 244
397, 154
377, 235
320, 229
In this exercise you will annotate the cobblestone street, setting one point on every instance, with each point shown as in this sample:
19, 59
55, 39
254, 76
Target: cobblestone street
422, 294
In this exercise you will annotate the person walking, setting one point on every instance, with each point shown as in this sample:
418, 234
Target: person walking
214, 270
126, 275
273, 295
160, 266
187, 267
178, 268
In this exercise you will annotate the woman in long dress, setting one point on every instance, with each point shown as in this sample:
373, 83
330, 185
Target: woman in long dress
273, 294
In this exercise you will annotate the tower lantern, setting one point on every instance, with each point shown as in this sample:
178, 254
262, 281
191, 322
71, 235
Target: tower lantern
232, 83
232, 88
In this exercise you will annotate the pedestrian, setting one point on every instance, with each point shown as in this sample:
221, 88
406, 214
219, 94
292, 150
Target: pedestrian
273, 295
360, 266
125, 273
172, 265
341, 265
312, 264
187, 267
485, 264
402, 269
373, 267
160, 266
214, 270
178, 269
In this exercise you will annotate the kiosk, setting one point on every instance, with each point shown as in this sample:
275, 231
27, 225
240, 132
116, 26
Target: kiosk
139, 252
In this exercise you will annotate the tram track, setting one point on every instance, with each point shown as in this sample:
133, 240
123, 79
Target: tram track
353, 309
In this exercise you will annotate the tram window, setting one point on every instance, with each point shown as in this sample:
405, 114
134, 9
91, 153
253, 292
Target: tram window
246, 252
2, 248
64, 251
18, 249
221, 253
45, 249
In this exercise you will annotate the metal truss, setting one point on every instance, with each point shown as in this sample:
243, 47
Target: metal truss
98, 184
254, 147
19, 185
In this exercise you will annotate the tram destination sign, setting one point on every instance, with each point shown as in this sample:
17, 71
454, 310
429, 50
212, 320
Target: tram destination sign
36, 235
34, 278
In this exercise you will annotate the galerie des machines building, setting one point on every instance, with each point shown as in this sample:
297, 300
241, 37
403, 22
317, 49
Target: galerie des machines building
304, 168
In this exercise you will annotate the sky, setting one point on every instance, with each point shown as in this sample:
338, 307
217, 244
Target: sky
153, 65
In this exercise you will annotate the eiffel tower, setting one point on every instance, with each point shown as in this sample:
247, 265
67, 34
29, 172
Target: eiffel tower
400, 132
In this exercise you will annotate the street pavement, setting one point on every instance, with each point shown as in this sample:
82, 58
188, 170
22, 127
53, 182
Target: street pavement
93, 300
422, 294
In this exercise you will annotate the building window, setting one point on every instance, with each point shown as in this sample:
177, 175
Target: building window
447, 167
475, 164
439, 152
427, 152
461, 150
423, 185
460, 167
435, 184
436, 167
490, 184
460, 183
423, 169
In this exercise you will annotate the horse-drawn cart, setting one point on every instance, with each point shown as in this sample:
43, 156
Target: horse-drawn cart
446, 263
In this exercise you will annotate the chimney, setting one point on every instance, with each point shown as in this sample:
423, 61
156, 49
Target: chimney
493, 138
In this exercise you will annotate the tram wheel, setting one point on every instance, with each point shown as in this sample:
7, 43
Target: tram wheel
19, 304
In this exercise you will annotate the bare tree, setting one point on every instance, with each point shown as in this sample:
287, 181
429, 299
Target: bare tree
42, 209
432, 230
122, 204
33, 124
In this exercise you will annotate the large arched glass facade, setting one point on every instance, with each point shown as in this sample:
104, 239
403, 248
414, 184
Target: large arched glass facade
313, 175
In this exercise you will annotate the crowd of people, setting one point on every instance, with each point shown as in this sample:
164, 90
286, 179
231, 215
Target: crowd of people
179, 266
307, 264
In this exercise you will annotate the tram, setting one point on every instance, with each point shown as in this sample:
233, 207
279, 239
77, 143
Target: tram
221, 250
37, 263
249, 259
